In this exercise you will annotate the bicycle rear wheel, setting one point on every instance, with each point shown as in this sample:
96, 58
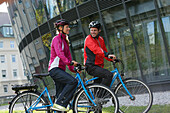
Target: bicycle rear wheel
22, 102
143, 97
101, 95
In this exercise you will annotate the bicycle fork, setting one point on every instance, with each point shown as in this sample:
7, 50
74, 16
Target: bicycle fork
131, 97
90, 97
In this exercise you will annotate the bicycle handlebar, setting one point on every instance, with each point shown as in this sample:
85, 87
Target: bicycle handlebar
78, 68
118, 61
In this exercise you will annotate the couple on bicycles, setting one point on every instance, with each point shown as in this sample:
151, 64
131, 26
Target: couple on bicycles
94, 53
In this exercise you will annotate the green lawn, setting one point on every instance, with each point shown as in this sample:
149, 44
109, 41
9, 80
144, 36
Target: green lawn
154, 109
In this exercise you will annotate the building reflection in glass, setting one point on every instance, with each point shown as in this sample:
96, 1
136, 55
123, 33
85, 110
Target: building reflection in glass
66, 4
51, 8
39, 11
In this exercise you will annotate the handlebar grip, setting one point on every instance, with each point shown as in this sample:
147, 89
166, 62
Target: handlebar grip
78, 67
117, 60
110, 57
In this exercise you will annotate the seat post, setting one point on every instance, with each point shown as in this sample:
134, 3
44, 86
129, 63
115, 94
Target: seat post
44, 82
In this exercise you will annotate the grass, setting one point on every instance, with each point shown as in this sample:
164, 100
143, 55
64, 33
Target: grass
4, 104
154, 109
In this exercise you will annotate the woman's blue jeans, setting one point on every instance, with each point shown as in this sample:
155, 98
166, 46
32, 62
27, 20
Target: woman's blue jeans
65, 85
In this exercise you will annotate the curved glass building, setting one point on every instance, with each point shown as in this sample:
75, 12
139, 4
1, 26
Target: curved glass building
136, 31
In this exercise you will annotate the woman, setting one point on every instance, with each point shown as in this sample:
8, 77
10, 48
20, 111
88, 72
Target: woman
59, 58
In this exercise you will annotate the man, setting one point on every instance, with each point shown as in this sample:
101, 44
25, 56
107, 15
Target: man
94, 53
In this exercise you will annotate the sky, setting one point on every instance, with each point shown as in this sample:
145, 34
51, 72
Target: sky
3, 7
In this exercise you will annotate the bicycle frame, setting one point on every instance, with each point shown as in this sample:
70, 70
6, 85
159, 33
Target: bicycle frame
85, 90
34, 105
116, 74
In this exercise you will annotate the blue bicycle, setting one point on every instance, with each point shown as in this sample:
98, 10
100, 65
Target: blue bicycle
134, 95
91, 98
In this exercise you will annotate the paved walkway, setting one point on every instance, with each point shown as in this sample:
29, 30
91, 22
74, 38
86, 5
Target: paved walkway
159, 98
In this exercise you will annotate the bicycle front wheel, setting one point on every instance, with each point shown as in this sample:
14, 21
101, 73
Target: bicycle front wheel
22, 102
142, 97
101, 95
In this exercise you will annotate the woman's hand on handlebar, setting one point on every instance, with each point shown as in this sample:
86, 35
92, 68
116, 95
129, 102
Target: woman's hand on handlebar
111, 56
75, 63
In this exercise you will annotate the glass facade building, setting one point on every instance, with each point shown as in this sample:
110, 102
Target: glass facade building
136, 31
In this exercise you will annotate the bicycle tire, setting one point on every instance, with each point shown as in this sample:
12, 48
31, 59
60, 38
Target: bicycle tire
24, 100
142, 94
103, 97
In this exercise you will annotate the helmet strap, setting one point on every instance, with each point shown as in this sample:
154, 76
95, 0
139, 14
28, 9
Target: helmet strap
61, 30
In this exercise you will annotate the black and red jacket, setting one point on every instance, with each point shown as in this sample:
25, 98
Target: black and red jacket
94, 51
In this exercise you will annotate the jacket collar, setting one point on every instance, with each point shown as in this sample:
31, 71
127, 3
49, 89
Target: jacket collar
63, 36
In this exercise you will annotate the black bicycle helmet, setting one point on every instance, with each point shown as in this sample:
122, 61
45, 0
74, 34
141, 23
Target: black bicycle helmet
95, 24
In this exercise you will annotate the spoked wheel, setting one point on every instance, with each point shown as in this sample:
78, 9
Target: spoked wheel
102, 96
22, 103
141, 100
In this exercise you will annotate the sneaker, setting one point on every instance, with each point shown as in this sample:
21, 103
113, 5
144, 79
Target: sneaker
59, 108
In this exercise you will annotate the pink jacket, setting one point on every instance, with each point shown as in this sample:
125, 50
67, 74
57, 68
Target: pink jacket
60, 53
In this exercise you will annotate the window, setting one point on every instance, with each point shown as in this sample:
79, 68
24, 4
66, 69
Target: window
24, 11
3, 73
2, 58
32, 15
34, 60
27, 5
20, 1
11, 31
36, 42
15, 72
31, 67
22, 29
11, 44
1, 44
40, 52
15, 14
7, 30
13, 58
5, 88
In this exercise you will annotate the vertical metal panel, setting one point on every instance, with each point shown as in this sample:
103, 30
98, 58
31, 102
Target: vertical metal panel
132, 35
162, 29
104, 29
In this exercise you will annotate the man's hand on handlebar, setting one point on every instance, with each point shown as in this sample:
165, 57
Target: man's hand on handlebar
113, 57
